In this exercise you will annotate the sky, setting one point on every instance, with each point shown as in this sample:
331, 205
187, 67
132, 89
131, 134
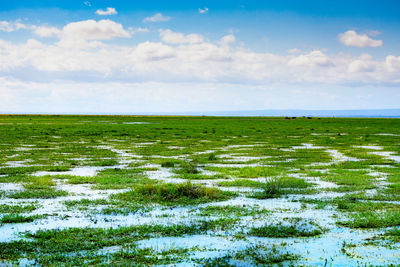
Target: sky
119, 57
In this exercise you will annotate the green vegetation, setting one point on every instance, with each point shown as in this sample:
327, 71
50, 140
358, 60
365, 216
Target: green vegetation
298, 228
59, 242
231, 211
170, 194
259, 255
17, 218
165, 174
275, 187
373, 219
4, 208
38, 194
114, 178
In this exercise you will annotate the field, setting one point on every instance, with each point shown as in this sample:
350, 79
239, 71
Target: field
128, 190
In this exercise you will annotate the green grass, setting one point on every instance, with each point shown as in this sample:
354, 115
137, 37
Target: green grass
84, 140
242, 183
393, 234
275, 187
257, 255
283, 231
38, 194
171, 194
231, 211
45, 242
370, 219
18, 218
114, 178
5, 208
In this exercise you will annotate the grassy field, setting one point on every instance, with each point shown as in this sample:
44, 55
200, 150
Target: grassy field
95, 190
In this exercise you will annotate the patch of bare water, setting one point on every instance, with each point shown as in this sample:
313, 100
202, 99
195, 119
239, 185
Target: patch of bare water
387, 154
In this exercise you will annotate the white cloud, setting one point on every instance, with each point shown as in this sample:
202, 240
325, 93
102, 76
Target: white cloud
393, 63
149, 51
360, 66
314, 58
363, 64
44, 31
87, 3
351, 38
80, 53
294, 51
203, 11
157, 18
5, 26
171, 37
76, 34
41, 31
137, 30
109, 11
228, 39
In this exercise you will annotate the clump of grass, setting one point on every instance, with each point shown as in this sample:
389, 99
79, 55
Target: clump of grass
261, 255
4, 208
272, 188
293, 230
393, 234
40, 183
357, 206
277, 186
231, 211
18, 218
41, 194
57, 168
189, 167
257, 255
242, 183
169, 193
105, 162
370, 219
212, 157
168, 164
114, 178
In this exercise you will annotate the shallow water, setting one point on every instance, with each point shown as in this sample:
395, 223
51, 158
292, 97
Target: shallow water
315, 251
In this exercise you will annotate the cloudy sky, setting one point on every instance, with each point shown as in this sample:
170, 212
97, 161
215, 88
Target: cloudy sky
105, 56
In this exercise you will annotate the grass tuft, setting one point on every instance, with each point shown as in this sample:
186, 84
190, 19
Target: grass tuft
169, 194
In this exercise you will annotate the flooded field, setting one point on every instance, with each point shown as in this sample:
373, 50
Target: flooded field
201, 191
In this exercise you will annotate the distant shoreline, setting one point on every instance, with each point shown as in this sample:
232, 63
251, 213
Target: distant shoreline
367, 113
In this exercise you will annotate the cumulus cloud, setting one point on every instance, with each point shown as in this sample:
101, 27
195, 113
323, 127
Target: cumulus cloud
41, 31
314, 58
294, 51
157, 18
363, 64
203, 10
137, 30
352, 38
228, 39
360, 66
7, 26
78, 33
80, 53
108, 12
393, 63
44, 31
171, 37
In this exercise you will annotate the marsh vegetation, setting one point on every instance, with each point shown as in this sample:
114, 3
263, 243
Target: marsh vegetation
120, 190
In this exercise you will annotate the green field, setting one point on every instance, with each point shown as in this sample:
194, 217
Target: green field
212, 191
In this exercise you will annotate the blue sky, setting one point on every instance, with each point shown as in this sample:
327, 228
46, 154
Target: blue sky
166, 56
